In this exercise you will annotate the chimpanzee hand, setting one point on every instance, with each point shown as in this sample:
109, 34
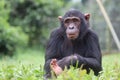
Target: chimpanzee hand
55, 67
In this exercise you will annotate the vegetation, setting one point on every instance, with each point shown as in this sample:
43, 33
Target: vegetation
111, 71
22, 67
34, 16
30, 67
9, 35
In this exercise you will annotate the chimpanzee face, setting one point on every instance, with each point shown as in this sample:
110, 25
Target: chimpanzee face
72, 25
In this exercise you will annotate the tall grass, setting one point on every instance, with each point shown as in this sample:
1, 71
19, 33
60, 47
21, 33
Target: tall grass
111, 71
28, 65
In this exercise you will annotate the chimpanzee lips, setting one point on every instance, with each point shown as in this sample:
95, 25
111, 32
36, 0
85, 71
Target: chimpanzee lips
72, 36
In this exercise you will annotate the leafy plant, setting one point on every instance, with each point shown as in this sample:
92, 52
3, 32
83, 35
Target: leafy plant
10, 37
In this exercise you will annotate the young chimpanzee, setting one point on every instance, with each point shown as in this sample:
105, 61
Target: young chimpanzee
73, 42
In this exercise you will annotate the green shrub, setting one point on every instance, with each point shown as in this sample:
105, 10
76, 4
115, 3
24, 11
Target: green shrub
10, 37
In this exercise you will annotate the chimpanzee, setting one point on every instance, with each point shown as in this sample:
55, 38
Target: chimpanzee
73, 42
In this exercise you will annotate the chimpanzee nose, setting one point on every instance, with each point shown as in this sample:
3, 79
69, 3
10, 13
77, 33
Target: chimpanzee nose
71, 27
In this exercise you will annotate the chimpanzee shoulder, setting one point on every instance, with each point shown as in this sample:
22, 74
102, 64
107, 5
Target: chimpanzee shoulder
91, 34
57, 35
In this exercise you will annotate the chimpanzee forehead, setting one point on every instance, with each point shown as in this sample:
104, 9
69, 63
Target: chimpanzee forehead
73, 13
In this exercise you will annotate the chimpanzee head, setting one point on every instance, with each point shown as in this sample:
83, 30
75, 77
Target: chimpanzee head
75, 23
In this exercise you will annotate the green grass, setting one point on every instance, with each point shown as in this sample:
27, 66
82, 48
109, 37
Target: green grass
25, 65
111, 71
27, 56
28, 65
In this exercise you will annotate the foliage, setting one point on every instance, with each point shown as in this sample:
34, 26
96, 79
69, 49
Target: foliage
10, 37
36, 17
112, 73
12, 72
32, 70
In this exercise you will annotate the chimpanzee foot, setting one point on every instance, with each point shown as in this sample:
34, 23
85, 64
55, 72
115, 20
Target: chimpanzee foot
55, 67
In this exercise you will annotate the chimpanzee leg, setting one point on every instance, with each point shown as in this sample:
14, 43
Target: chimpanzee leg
67, 61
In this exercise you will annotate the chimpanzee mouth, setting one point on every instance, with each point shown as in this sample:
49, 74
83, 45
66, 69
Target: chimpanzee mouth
72, 36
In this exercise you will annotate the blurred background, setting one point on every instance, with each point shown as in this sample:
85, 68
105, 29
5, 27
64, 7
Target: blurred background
25, 25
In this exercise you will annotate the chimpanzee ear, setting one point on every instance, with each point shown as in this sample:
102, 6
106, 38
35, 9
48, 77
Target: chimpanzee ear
60, 18
87, 16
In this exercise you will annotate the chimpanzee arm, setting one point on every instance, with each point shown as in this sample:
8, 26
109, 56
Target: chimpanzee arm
92, 57
91, 63
52, 51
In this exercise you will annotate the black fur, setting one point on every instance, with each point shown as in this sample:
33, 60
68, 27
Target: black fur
85, 49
